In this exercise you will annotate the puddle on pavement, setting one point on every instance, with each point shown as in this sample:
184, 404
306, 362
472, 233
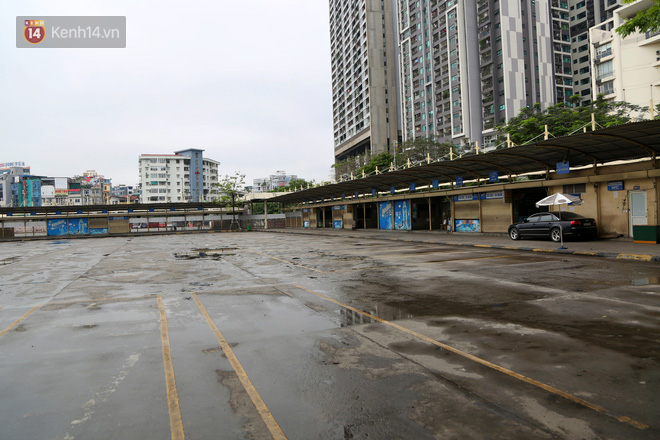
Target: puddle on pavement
350, 317
645, 281
214, 254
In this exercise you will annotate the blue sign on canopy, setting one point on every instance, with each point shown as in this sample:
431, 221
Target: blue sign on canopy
435, 183
392, 190
493, 177
459, 181
563, 167
413, 187
374, 192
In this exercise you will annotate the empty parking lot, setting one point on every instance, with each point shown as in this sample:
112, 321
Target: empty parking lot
257, 335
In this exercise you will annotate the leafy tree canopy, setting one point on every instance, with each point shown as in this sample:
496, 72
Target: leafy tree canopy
565, 118
273, 208
382, 161
418, 149
295, 183
230, 187
645, 21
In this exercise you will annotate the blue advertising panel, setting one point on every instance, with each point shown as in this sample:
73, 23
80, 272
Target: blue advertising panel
306, 224
75, 226
78, 226
563, 168
492, 195
466, 197
374, 192
469, 225
459, 181
392, 190
57, 227
402, 214
384, 215
413, 187
493, 177
436, 183
98, 231
337, 224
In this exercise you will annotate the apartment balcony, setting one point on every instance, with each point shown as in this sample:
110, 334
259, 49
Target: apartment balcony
603, 54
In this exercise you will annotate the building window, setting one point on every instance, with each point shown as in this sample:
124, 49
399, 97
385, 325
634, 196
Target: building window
577, 188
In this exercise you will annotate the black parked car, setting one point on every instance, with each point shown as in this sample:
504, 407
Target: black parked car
549, 224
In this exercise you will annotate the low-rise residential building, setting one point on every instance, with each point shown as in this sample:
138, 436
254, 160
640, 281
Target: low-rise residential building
185, 176
272, 182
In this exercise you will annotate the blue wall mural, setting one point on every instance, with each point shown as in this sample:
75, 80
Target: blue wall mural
402, 214
467, 225
384, 215
74, 226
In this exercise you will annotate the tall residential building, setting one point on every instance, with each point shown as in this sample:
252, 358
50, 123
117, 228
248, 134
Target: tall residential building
364, 77
468, 66
185, 176
626, 69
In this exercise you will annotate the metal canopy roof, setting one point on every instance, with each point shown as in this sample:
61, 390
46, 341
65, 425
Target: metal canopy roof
623, 142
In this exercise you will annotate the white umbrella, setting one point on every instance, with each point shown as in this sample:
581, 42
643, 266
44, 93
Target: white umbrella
559, 199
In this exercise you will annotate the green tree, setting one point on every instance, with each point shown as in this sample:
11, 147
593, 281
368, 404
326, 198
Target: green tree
418, 149
273, 208
645, 21
296, 183
344, 168
230, 188
382, 161
565, 118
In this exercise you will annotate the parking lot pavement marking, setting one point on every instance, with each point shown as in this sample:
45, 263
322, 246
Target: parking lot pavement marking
637, 257
18, 321
176, 424
263, 410
486, 363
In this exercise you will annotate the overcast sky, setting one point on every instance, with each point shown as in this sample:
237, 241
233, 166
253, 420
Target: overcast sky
248, 81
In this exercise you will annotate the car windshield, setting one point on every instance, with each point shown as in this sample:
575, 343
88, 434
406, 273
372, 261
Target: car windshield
567, 215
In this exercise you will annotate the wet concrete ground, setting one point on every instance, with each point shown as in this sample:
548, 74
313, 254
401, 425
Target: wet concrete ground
256, 335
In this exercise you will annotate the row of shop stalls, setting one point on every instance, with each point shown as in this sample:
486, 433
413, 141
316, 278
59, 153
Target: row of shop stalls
486, 211
66, 221
615, 171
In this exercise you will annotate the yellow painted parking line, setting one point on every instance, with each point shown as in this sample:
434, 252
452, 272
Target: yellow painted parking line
263, 410
18, 321
543, 250
486, 363
638, 257
585, 253
176, 424
483, 245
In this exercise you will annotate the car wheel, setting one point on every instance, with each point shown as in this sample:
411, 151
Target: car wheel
514, 234
555, 235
